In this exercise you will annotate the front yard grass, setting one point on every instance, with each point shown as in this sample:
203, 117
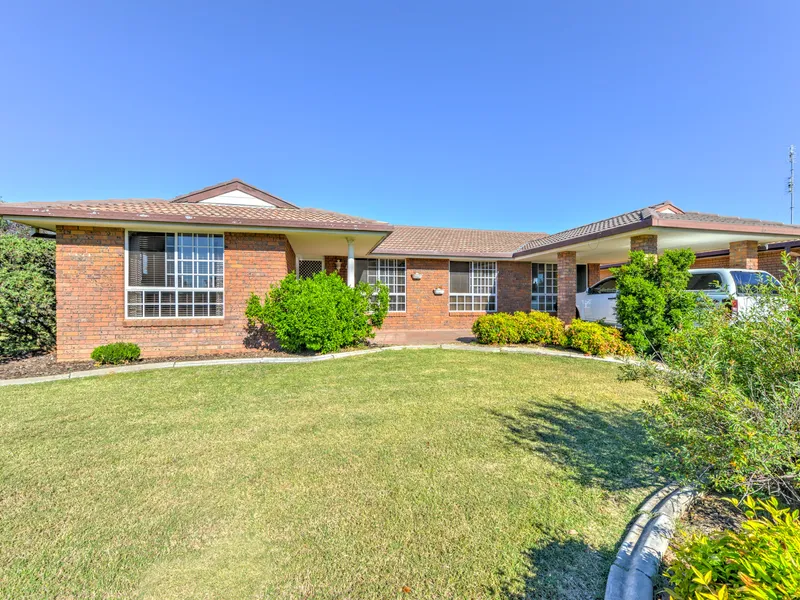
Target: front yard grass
414, 474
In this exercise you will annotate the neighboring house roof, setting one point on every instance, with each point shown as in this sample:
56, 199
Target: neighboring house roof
164, 211
407, 240
658, 215
230, 186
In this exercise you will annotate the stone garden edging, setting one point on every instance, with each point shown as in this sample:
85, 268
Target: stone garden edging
298, 359
639, 557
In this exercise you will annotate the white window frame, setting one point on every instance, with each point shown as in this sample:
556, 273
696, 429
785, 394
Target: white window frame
174, 289
553, 295
381, 265
470, 297
542, 297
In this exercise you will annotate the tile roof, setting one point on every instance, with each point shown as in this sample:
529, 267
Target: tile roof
407, 240
164, 211
719, 219
657, 215
626, 219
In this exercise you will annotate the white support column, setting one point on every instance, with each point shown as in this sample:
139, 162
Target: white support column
351, 262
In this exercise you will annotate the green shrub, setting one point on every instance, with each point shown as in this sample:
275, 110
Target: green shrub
596, 339
728, 411
27, 295
652, 299
497, 328
540, 328
320, 313
116, 354
760, 562
519, 328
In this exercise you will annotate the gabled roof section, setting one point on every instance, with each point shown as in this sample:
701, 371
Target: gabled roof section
625, 220
407, 240
165, 211
234, 185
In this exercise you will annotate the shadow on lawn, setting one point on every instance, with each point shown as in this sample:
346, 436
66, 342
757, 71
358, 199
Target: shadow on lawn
606, 449
565, 569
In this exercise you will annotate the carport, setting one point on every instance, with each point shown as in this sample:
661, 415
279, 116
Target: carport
652, 229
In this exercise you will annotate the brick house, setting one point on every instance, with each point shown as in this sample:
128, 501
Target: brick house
174, 275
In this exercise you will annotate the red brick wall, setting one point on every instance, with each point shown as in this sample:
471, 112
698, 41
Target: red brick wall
744, 255
646, 243
425, 310
330, 265
711, 262
90, 290
513, 286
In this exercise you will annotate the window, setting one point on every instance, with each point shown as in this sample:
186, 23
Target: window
704, 282
607, 286
473, 286
391, 272
751, 283
175, 275
544, 287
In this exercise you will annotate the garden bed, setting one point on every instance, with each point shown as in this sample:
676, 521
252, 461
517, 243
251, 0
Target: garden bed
710, 513
40, 365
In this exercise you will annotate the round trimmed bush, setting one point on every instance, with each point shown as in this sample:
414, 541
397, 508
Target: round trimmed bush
319, 313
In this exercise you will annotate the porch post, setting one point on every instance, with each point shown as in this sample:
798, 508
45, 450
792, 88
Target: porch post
744, 255
567, 285
592, 273
351, 262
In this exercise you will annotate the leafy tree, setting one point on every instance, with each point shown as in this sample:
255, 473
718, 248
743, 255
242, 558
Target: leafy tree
27, 295
652, 299
320, 313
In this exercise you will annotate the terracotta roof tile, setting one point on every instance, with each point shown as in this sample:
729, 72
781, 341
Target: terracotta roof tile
408, 240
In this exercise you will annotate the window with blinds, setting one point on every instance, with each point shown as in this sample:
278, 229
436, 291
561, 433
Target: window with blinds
175, 275
473, 286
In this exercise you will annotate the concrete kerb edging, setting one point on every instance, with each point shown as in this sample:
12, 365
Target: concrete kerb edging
639, 557
298, 359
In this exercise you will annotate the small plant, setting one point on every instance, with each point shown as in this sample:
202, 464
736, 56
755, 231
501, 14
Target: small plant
319, 313
116, 354
760, 562
596, 339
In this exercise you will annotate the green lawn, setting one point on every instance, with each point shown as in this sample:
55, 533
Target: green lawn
456, 474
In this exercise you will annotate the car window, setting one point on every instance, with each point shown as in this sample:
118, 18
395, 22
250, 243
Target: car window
705, 282
609, 286
749, 283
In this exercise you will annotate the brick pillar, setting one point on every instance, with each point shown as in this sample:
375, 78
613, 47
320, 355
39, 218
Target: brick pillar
646, 243
744, 255
592, 273
567, 285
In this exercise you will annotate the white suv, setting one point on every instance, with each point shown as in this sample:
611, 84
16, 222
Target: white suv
599, 302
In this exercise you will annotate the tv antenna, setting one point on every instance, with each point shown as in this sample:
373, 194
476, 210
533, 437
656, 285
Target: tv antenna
790, 184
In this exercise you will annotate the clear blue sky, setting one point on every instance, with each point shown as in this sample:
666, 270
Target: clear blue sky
515, 115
